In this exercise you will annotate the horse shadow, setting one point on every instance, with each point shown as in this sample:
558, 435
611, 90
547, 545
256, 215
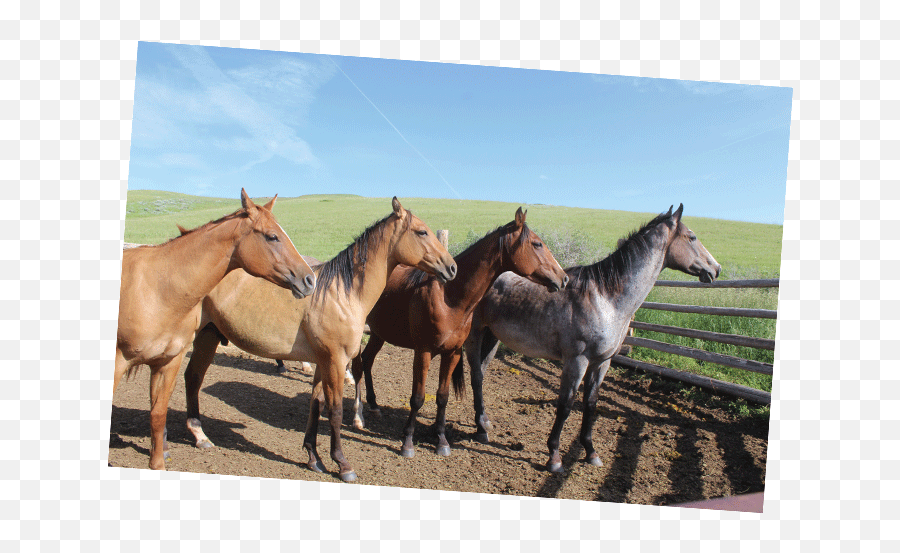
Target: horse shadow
133, 423
687, 477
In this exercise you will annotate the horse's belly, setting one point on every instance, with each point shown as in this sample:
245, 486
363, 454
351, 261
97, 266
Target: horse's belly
524, 343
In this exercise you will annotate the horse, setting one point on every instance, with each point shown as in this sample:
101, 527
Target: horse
584, 326
418, 312
325, 329
162, 288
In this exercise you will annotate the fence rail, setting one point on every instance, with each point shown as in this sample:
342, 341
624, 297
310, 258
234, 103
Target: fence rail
718, 386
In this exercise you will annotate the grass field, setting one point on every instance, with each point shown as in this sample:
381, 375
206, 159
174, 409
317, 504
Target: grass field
323, 225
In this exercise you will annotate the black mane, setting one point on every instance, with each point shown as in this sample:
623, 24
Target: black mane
612, 272
353, 258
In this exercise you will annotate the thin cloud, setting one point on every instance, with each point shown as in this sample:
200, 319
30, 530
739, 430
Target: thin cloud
268, 131
397, 130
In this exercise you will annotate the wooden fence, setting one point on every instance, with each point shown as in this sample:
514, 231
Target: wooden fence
750, 394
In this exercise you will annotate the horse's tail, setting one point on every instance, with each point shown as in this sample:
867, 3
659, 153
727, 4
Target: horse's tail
459, 381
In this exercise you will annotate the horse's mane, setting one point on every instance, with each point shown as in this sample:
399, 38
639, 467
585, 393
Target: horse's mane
184, 232
353, 258
417, 276
612, 272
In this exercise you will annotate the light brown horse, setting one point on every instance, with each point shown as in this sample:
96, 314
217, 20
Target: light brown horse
418, 312
325, 328
162, 287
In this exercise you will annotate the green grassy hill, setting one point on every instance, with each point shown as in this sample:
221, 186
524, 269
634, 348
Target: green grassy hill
323, 225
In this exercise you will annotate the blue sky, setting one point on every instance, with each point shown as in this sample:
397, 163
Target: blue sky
209, 121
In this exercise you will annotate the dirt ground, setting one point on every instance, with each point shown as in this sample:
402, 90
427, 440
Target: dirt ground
657, 447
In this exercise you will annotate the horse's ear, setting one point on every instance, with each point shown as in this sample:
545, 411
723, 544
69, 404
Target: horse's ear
619, 243
271, 203
181, 229
669, 214
678, 212
248, 204
398, 209
520, 216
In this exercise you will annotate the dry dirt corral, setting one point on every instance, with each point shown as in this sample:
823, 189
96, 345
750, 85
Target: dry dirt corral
657, 447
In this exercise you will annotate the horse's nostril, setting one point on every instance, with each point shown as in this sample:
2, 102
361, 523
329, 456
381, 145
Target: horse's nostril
309, 280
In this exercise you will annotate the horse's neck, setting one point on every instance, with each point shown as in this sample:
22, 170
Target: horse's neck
198, 261
377, 271
477, 269
643, 277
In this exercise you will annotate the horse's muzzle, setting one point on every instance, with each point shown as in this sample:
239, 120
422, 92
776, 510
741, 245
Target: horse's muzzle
446, 275
555, 286
302, 288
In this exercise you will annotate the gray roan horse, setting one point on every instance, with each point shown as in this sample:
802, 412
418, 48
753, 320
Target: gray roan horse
583, 325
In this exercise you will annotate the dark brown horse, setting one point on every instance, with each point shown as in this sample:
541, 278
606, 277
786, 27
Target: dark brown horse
584, 325
325, 328
421, 313
162, 287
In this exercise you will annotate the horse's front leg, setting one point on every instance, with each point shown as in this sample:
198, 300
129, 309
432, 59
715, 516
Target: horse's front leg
333, 388
449, 361
162, 382
316, 399
594, 377
420, 373
573, 371
205, 344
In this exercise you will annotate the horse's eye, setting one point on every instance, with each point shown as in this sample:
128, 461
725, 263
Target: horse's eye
422, 232
693, 238
537, 245
272, 237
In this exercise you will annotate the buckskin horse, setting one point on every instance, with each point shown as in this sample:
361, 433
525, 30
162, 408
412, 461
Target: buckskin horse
584, 325
325, 328
419, 312
163, 286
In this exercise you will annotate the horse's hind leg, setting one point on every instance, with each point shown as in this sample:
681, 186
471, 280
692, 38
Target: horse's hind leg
481, 346
162, 382
448, 364
592, 381
368, 361
362, 363
573, 372
420, 373
121, 367
205, 345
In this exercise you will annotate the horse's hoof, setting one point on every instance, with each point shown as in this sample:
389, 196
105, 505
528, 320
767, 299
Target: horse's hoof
409, 453
481, 438
488, 426
316, 467
348, 476
205, 444
358, 424
166, 456
555, 467
443, 450
375, 413
595, 460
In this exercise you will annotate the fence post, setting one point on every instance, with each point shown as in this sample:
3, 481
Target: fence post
443, 236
